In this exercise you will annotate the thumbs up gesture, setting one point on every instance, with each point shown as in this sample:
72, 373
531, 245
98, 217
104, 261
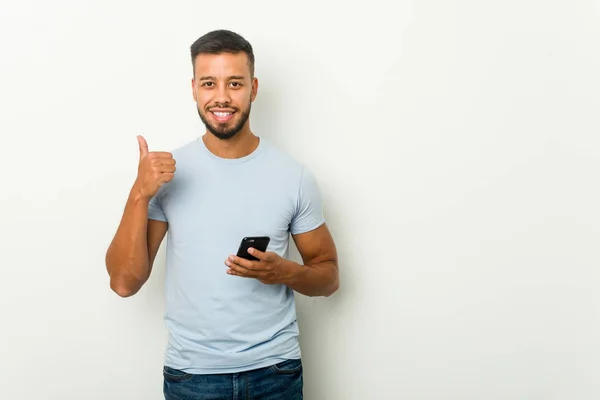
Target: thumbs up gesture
155, 169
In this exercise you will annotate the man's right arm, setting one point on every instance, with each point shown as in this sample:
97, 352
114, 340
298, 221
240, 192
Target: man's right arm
131, 254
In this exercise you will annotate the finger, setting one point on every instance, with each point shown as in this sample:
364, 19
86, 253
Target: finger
242, 274
143, 145
163, 166
166, 177
242, 262
160, 155
160, 162
166, 161
239, 270
167, 169
263, 256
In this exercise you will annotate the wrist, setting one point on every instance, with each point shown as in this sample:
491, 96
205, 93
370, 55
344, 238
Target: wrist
137, 195
293, 271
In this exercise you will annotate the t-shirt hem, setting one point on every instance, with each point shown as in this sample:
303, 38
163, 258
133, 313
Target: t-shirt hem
157, 217
308, 229
232, 370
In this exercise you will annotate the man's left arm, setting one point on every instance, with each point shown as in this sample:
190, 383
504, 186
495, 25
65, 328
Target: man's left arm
319, 275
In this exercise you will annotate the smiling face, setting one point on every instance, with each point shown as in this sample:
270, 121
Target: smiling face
224, 90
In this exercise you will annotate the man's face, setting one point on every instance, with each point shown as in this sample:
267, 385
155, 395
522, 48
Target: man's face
223, 91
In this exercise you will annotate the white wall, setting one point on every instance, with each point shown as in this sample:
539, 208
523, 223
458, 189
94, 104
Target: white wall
456, 144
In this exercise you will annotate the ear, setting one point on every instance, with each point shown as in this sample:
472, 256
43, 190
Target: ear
254, 89
194, 89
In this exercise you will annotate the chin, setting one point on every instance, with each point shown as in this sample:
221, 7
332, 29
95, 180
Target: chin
223, 135
228, 130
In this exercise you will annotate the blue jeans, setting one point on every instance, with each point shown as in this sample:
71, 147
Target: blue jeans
281, 381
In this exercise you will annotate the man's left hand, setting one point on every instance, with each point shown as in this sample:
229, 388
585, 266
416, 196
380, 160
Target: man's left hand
269, 269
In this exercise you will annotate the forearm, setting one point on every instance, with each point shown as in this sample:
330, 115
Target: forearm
319, 279
127, 257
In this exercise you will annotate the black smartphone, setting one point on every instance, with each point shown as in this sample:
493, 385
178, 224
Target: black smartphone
258, 242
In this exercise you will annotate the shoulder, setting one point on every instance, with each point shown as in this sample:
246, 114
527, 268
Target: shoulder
288, 172
280, 160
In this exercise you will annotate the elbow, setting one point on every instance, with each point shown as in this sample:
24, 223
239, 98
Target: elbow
334, 281
122, 290
124, 287
334, 287
122, 282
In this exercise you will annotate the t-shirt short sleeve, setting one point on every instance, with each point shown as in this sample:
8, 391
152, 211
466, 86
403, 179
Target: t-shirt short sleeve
309, 209
155, 210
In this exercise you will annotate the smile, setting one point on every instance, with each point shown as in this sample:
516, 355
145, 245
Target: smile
223, 116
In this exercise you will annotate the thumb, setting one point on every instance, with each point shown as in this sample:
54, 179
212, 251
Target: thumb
143, 146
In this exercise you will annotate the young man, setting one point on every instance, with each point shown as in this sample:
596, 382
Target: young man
232, 323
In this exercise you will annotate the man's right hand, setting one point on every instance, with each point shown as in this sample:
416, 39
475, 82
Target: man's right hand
155, 169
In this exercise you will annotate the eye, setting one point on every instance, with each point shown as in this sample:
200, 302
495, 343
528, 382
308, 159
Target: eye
207, 84
236, 84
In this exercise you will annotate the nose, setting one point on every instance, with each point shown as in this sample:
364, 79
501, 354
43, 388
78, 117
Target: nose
222, 95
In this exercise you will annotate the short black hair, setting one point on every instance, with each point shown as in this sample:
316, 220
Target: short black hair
222, 41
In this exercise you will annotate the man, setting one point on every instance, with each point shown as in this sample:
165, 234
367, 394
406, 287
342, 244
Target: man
232, 324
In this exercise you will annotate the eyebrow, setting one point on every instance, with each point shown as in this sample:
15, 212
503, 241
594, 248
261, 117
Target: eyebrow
212, 78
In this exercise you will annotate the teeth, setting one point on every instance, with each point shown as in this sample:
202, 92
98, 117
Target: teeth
222, 114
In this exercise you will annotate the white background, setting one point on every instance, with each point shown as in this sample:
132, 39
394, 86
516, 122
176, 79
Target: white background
456, 144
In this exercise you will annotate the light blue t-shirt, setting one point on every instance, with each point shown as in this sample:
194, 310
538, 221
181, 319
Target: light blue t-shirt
220, 323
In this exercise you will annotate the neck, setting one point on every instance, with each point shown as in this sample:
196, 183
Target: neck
241, 145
